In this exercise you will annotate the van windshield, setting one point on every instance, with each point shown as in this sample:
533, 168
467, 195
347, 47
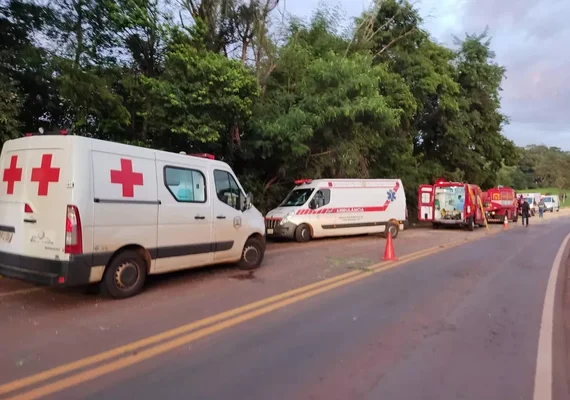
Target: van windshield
297, 198
547, 199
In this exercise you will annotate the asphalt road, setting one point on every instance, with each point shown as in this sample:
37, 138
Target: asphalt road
457, 323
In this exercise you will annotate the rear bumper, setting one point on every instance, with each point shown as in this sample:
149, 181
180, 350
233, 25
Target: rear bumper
58, 273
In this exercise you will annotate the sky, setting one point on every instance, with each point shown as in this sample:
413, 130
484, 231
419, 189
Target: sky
531, 39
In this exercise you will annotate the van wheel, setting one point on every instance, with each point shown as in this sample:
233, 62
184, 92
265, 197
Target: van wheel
302, 233
471, 224
252, 254
125, 275
393, 229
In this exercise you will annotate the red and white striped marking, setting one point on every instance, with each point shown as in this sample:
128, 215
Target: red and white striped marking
339, 210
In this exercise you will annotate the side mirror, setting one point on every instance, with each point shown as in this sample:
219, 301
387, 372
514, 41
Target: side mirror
246, 202
312, 204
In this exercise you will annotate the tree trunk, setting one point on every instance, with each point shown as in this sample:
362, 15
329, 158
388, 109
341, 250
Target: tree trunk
78, 6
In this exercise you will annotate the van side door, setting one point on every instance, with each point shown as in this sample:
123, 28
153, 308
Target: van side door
125, 196
185, 216
322, 220
425, 202
229, 235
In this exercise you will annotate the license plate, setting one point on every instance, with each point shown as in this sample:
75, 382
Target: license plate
270, 231
5, 236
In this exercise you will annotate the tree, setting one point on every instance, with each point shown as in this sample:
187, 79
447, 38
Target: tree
323, 114
198, 99
29, 93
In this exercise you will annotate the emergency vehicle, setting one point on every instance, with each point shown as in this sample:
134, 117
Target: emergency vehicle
532, 199
451, 203
75, 210
499, 202
339, 207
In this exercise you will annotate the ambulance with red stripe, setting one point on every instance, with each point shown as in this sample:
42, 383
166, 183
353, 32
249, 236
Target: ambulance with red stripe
339, 207
75, 210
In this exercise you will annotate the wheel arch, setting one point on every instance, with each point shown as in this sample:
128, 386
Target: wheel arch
142, 251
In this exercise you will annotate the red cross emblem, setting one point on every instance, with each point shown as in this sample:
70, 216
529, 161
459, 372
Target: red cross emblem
127, 178
45, 174
12, 175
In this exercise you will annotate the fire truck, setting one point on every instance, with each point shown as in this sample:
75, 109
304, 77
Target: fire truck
451, 203
499, 202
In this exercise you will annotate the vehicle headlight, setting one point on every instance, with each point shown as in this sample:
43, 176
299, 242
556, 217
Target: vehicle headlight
286, 218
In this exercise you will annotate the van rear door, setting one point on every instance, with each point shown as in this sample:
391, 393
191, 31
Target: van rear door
33, 197
425, 202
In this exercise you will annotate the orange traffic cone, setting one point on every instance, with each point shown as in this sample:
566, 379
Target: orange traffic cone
389, 254
506, 223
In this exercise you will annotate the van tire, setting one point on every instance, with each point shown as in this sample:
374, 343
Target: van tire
392, 227
303, 233
252, 254
131, 263
470, 224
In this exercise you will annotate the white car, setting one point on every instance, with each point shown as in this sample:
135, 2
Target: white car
75, 210
339, 207
552, 203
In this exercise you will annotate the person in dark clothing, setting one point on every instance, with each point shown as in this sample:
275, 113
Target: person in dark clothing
525, 212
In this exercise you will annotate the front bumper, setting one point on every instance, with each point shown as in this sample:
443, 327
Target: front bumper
43, 271
286, 231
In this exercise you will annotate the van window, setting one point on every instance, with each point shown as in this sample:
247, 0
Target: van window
321, 198
297, 198
185, 185
548, 200
227, 189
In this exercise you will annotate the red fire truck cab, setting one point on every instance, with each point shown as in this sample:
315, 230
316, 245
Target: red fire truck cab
450, 203
499, 202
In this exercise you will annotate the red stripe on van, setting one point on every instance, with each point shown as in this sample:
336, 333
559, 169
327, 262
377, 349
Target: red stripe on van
339, 210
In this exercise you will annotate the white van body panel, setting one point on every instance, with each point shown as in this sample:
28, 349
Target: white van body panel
551, 202
37, 176
123, 200
356, 206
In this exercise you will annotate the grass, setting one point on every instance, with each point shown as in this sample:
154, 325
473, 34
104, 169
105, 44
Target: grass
550, 191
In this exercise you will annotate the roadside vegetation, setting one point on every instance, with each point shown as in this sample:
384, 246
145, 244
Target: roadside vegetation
277, 97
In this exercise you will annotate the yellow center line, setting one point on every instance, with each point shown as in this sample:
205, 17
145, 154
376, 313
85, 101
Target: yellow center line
122, 350
265, 306
186, 339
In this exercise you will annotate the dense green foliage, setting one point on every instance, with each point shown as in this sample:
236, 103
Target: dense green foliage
538, 167
277, 100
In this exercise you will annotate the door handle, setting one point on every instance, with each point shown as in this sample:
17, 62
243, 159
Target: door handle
199, 217
30, 220
221, 217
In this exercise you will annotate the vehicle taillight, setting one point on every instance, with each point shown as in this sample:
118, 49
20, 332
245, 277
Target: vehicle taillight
28, 209
73, 237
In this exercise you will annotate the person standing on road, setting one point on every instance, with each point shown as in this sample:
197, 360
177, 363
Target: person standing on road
541, 207
525, 212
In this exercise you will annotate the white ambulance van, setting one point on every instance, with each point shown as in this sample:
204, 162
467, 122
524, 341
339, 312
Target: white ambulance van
339, 207
75, 210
